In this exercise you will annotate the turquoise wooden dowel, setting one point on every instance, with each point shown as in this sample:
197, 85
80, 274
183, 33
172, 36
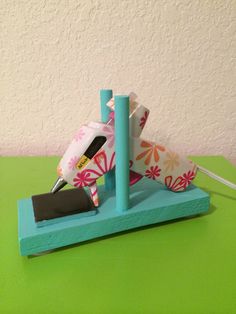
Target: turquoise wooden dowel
105, 96
122, 152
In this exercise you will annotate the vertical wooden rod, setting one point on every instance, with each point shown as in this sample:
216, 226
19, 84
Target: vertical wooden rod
105, 96
122, 152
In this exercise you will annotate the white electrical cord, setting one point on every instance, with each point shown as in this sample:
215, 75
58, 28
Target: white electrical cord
216, 177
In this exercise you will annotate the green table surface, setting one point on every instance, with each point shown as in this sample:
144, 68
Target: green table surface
187, 266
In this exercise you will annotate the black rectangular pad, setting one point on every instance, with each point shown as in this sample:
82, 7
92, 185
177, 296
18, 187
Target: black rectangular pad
68, 202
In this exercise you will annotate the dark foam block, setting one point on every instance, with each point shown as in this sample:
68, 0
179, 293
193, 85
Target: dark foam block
49, 208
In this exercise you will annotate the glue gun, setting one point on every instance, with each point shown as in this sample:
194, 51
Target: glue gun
91, 154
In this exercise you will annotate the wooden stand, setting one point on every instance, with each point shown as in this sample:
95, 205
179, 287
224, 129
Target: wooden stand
123, 208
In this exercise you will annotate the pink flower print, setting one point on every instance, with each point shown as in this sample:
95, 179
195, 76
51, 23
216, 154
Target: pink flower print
109, 135
79, 135
112, 115
89, 176
174, 185
143, 120
100, 159
94, 194
187, 178
72, 163
82, 179
181, 183
153, 172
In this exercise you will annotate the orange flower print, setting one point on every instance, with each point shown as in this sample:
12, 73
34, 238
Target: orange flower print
171, 161
151, 149
59, 171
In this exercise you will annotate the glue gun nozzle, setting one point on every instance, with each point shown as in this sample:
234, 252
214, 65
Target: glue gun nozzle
59, 184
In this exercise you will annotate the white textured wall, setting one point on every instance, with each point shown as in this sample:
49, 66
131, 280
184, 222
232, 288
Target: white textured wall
178, 56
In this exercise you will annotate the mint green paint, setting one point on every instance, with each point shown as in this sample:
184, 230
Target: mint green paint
105, 96
150, 203
48, 222
122, 152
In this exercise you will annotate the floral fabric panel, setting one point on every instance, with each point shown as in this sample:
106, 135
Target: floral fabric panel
149, 159
156, 162
78, 169
138, 115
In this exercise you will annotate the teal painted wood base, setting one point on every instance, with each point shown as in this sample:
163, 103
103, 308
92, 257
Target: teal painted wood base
150, 203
